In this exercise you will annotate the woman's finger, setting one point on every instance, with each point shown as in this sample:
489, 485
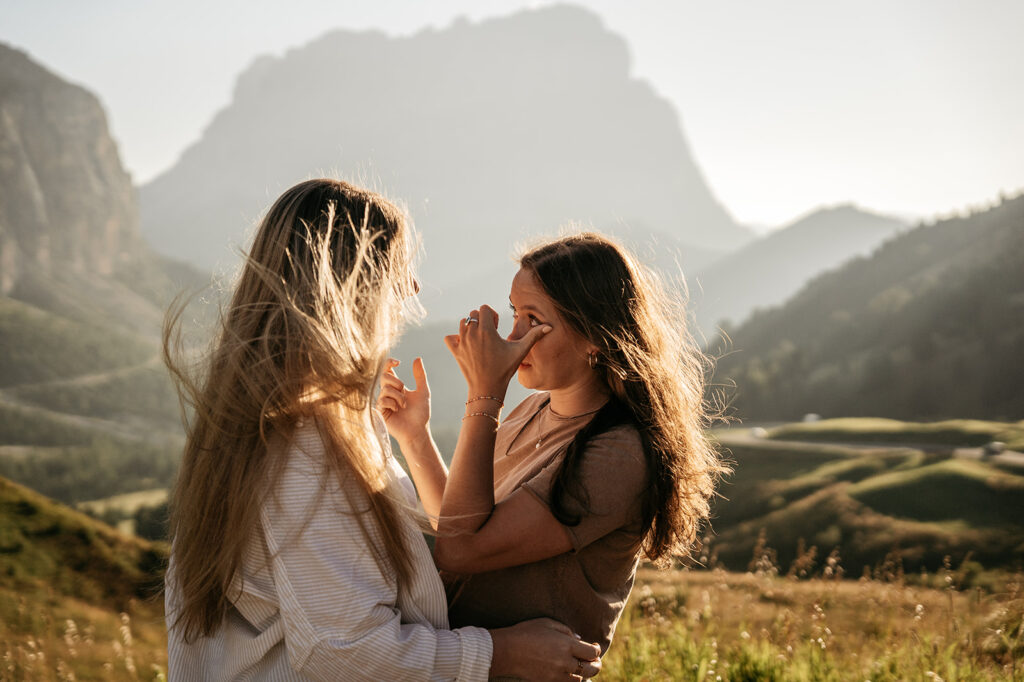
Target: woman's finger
489, 316
585, 651
398, 397
419, 376
452, 340
386, 403
589, 669
529, 338
390, 379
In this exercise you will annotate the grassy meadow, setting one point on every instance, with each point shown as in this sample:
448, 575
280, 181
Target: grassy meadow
679, 625
717, 625
862, 552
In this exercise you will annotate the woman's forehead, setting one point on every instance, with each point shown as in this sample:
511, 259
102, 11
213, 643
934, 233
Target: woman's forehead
527, 292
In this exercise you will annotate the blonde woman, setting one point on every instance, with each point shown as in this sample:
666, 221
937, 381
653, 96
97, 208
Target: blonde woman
549, 513
295, 550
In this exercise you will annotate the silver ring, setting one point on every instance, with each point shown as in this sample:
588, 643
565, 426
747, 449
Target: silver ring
471, 320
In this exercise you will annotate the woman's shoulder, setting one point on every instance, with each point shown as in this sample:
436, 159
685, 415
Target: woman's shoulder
622, 442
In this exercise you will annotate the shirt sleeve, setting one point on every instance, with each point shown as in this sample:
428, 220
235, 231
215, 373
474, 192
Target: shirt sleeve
613, 474
338, 606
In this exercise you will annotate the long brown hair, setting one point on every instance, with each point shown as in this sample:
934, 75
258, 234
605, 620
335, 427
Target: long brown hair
319, 299
655, 374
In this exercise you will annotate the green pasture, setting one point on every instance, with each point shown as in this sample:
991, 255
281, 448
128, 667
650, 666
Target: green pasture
954, 432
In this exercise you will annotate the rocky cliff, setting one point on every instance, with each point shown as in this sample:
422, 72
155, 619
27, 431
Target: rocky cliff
70, 242
66, 203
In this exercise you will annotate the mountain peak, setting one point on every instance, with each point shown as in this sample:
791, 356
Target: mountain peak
519, 123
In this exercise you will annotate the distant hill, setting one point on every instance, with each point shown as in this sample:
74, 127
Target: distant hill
913, 504
45, 543
930, 326
78, 600
85, 408
490, 131
769, 270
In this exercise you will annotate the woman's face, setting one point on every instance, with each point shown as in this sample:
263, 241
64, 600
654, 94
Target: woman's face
558, 360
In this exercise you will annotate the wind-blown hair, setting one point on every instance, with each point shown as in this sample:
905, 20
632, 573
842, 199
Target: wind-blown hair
319, 299
655, 374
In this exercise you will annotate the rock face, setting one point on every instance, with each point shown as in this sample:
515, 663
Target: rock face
490, 132
66, 203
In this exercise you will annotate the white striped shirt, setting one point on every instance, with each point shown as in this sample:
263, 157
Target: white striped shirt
314, 604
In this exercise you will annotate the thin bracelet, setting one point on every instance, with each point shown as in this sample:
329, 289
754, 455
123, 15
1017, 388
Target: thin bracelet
501, 403
481, 414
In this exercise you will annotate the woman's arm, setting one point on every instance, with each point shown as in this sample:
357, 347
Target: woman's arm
488, 363
338, 605
522, 529
474, 534
407, 417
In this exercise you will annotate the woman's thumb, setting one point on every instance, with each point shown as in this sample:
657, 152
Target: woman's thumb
533, 336
419, 375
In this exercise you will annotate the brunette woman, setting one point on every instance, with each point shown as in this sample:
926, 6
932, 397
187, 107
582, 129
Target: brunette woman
549, 513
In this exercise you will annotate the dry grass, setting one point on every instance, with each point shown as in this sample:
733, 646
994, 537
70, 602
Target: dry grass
46, 636
679, 625
730, 626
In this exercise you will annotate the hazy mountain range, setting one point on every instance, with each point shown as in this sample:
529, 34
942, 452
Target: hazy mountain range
490, 132
769, 270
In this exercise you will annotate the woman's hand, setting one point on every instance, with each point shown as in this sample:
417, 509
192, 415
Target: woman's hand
543, 649
488, 361
406, 413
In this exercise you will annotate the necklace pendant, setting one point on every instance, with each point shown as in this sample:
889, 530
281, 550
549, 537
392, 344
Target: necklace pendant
539, 441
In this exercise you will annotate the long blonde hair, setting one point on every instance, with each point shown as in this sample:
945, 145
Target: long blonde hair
320, 297
655, 374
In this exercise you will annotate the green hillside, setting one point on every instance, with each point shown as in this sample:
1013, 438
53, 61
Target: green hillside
871, 502
86, 411
930, 326
46, 544
41, 346
78, 600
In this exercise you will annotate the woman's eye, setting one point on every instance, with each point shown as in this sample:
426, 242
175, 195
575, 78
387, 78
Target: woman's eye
534, 321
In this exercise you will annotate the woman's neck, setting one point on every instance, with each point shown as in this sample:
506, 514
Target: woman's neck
575, 400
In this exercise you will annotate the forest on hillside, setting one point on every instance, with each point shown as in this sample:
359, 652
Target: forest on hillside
930, 326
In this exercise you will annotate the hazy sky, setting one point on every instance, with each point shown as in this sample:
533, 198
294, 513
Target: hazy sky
906, 106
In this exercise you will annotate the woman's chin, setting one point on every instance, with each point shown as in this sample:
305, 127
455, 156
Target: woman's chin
523, 376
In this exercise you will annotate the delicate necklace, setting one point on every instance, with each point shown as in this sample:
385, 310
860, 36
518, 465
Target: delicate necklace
541, 424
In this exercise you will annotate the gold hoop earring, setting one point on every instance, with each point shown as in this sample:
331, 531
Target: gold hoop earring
592, 360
